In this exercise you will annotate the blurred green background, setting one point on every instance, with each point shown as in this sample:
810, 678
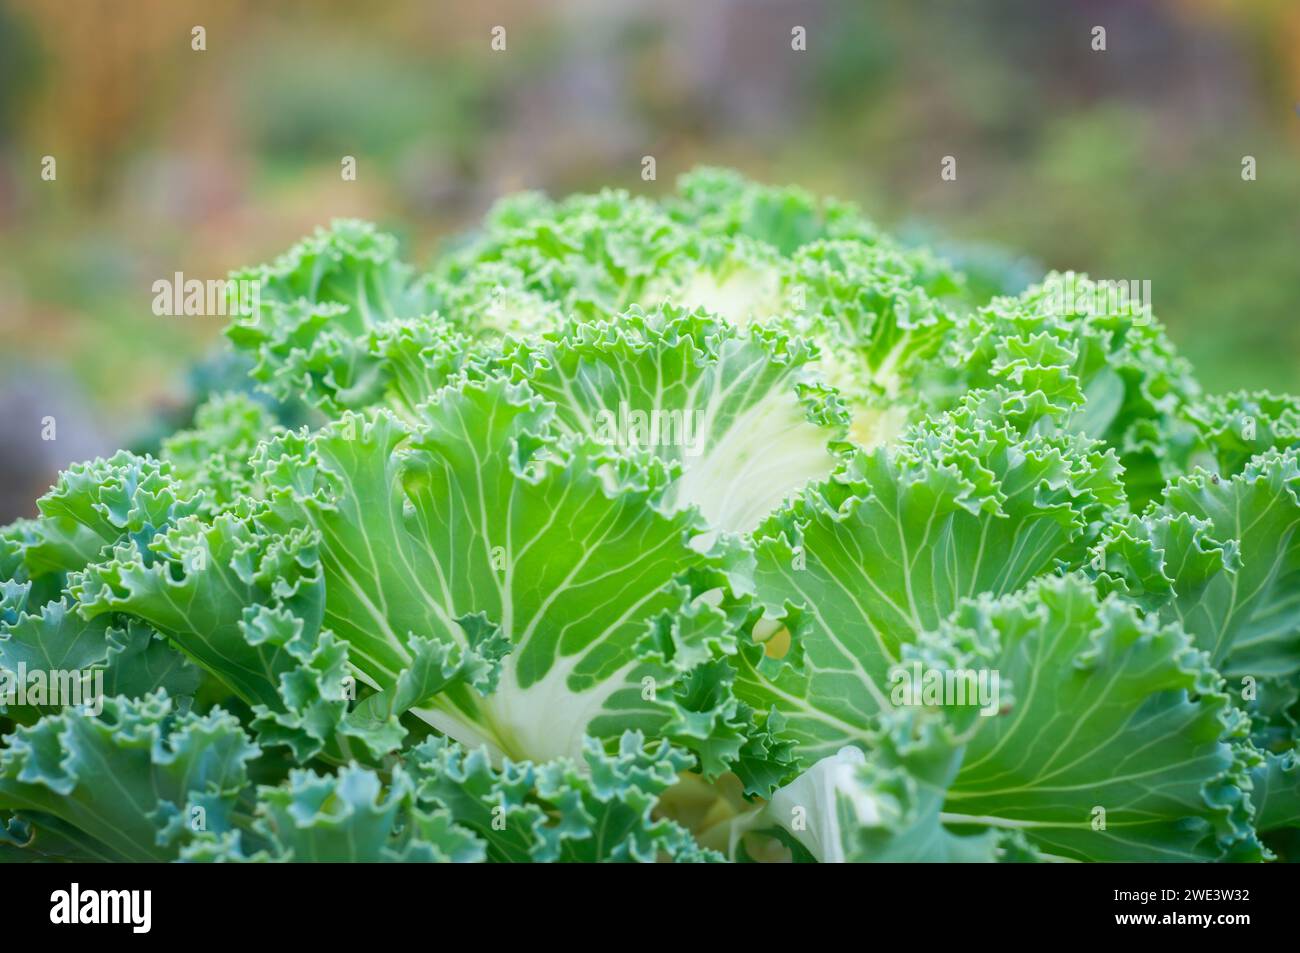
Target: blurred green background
1125, 163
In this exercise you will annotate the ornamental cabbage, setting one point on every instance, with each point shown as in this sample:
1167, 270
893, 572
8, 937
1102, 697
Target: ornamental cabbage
716, 528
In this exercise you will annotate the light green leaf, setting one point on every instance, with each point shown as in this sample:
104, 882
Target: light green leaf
1114, 742
566, 546
737, 412
861, 565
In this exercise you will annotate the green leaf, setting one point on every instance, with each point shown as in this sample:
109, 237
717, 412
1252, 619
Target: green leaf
722, 202
1114, 741
213, 458
1235, 428
435, 667
134, 783
201, 585
863, 564
873, 312
597, 810
1222, 557
100, 503
244, 604
735, 411
317, 308
567, 546
1071, 336
1276, 793
129, 660
348, 817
